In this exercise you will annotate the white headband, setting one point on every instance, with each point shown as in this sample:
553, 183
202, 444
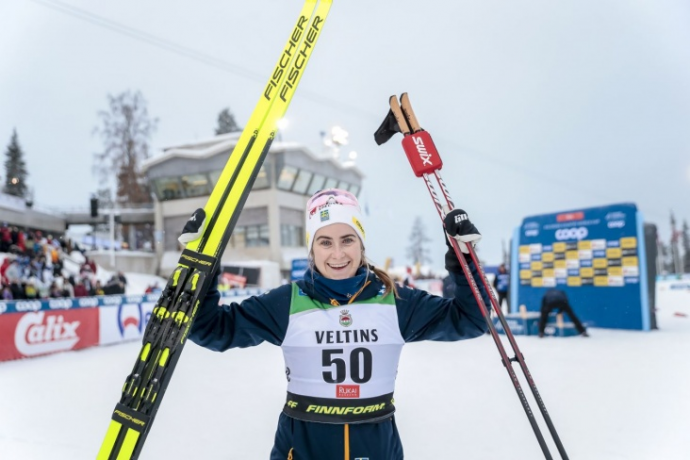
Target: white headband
333, 212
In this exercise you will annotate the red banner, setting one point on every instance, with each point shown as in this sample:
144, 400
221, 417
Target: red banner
24, 335
570, 216
233, 280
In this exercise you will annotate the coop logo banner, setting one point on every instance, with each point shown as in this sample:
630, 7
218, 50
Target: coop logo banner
126, 321
531, 228
575, 233
615, 219
60, 304
112, 300
23, 306
27, 305
88, 302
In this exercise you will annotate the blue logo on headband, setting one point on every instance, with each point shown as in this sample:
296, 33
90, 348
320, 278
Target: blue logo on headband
324, 215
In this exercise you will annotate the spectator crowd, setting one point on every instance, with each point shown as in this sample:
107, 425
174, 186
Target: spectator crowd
33, 268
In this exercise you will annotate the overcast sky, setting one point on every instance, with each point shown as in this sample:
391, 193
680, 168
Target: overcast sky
536, 106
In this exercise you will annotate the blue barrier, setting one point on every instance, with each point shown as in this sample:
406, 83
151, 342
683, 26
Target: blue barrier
23, 306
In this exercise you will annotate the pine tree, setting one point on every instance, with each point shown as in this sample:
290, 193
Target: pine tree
675, 251
686, 247
417, 250
227, 123
665, 258
125, 130
15, 169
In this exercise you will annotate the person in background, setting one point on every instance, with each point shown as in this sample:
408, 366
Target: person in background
3, 269
123, 280
90, 264
5, 238
556, 299
408, 279
342, 329
153, 288
6, 292
36, 266
14, 271
17, 289
88, 279
43, 289
80, 290
28, 248
501, 285
98, 289
55, 291
30, 290
67, 288
114, 286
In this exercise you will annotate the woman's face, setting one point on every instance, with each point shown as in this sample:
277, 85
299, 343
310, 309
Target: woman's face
337, 251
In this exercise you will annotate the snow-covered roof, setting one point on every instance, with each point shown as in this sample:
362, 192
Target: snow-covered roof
209, 147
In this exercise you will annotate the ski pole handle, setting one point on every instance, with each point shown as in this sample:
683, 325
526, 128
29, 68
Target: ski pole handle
421, 153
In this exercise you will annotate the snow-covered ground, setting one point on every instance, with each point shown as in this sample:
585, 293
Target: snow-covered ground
617, 395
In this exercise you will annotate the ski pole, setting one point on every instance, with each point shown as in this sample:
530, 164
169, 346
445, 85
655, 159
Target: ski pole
424, 159
415, 127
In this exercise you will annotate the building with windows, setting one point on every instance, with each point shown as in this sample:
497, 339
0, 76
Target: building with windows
271, 224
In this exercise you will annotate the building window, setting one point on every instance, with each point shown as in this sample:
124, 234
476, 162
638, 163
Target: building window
196, 185
302, 182
330, 183
254, 235
238, 240
168, 188
261, 181
287, 177
214, 176
291, 235
354, 189
316, 184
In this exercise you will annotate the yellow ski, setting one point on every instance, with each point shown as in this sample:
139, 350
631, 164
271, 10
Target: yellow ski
175, 310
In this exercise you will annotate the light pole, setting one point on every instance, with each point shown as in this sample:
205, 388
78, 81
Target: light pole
112, 237
334, 140
282, 124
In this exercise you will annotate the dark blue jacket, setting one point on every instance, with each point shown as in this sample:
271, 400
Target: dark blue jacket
554, 299
421, 316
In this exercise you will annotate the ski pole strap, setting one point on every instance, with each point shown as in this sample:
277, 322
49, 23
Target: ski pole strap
339, 411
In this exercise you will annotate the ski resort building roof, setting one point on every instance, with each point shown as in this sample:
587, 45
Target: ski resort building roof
271, 224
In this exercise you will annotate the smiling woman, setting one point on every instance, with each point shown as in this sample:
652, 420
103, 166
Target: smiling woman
337, 251
335, 234
342, 329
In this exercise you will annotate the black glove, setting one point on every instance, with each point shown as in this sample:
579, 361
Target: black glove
458, 225
194, 227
